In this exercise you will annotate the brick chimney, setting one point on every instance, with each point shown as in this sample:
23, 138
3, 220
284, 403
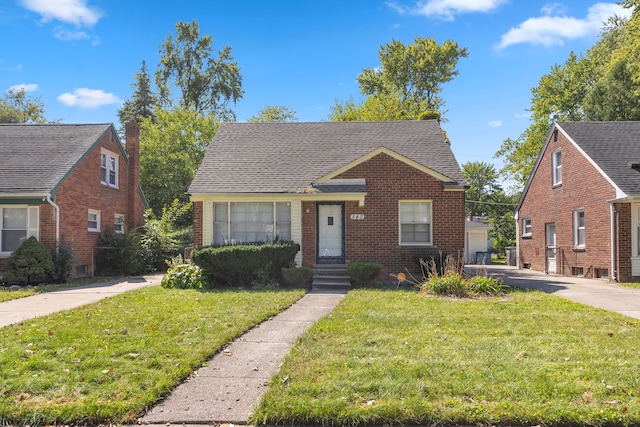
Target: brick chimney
135, 208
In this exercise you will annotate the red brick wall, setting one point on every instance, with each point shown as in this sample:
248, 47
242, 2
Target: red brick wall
582, 187
375, 239
623, 242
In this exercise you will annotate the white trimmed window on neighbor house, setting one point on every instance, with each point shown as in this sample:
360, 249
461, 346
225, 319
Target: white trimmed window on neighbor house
109, 169
118, 224
578, 229
17, 223
242, 222
557, 167
415, 222
526, 227
94, 220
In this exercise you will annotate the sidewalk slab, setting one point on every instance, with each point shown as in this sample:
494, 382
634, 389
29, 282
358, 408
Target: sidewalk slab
20, 309
227, 389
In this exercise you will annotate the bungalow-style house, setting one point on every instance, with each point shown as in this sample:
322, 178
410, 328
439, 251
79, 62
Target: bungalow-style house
579, 213
67, 183
345, 191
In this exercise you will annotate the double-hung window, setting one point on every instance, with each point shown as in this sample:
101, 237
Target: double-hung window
578, 228
94, 220
241, 222
118, 224
526, 227
109, 169
17, 223
415, 222
556, 164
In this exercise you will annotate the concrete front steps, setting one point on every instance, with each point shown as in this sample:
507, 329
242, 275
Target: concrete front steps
331, 277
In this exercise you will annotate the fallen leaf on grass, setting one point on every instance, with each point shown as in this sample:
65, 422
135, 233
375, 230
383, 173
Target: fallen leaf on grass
611, 402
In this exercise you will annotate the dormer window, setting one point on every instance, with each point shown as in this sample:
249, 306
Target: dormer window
109, 169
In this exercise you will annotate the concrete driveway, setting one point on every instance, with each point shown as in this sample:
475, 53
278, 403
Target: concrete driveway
595, 292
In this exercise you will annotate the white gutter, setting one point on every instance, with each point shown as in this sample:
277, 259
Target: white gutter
613, 242
57, 208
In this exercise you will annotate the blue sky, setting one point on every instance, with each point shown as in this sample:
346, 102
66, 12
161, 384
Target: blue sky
80, 56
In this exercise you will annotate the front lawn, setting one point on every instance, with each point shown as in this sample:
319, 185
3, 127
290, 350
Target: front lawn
406, 358
7, 294
109, 361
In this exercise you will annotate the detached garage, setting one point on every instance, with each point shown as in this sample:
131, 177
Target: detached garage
476, 240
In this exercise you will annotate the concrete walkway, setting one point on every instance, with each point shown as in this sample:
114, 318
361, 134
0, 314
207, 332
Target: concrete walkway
235, 379
17, 310
594, 292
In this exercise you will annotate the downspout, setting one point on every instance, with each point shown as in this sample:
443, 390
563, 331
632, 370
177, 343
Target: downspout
57, 209
613, 242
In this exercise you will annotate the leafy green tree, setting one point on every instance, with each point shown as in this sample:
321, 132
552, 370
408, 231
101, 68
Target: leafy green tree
274, 113
602, 85
412, 75
171, 150
484, 188
375, 108
18, 107
206, 84
143, 101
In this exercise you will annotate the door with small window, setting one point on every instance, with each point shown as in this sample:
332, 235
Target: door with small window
330, 240
551, 247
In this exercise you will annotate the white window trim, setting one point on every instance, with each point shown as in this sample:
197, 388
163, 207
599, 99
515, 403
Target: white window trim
97, 214
526, 233
115, 218
555, 180
576, 229
116, 159
430, 219
33, 215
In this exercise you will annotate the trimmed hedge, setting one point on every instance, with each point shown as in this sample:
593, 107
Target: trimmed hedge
239, 265
364, 274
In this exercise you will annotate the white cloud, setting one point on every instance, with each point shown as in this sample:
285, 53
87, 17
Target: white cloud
75, 12
65, 35
523, 115
446, 9
495, 123
88, 98
30, 87
555, 30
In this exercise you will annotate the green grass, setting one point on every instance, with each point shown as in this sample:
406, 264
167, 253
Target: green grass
499, 260
109, 361
630, 285
405, 358
7, 294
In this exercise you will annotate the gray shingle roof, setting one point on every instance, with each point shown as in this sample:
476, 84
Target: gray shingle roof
35, 158
612, 146
283, 157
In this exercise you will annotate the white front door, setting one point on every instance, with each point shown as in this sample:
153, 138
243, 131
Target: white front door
551, 247
330, 234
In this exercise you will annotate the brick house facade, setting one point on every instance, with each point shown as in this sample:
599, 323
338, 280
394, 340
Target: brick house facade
578, 214
86, 183
358, 179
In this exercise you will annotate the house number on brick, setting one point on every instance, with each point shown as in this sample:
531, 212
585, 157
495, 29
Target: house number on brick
357, 216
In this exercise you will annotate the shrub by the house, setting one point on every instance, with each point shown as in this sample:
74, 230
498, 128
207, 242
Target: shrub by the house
297, 276
183, 276
63, 260
364, 274
239, 265
31, 262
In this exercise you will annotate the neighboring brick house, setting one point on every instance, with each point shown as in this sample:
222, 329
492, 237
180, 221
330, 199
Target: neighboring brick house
579, 213
67, 183
345, 191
